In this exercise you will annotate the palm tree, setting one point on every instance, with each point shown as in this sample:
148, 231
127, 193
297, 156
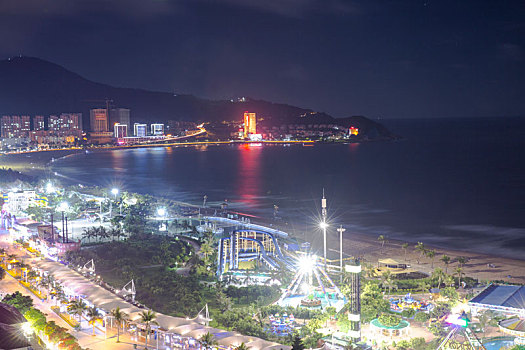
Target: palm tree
439, 275
420, 247
431, 254
484, 319
381, 239
462, 260
94, 315
459, 273
423, 285
446, 261
405, 247
206, 250
390, 284
241, 346
448, 280
120, 317
114, 233
77, 307
207, 341
386, 280
148, 318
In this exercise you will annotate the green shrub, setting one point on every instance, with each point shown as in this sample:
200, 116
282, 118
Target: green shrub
421, 317
408, 313
389, 320
418, 343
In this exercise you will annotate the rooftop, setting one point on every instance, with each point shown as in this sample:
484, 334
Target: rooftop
497, 295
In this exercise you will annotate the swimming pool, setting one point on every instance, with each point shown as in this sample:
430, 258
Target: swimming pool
498, 344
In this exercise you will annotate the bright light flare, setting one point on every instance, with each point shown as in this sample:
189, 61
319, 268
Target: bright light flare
161, 212
63, 207
114, 191
457, 320
50, 188
323, 225
307, 263
26, 328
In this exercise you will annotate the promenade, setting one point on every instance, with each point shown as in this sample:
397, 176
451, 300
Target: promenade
172, 331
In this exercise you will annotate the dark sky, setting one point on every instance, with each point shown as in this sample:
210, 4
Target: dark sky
428, 58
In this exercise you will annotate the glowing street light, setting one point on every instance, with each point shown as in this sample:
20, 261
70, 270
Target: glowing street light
114, 191
324, 226
50, 188
161, 212
26, 328
63, 207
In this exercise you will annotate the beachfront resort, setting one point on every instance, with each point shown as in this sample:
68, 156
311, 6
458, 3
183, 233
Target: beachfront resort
102, 268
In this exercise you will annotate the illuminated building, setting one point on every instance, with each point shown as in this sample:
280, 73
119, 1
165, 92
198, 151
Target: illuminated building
38, 123
14, 126
98, 120
120, 130
140, 130
157, 129
353, 131
65, 122
16, 202
250, 124
120, 116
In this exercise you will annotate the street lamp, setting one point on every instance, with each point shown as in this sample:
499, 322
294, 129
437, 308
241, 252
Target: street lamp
324, 226
114, 191
50, 188
161, 212
64, 207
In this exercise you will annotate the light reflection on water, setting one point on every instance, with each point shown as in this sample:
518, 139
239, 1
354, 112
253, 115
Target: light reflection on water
444, 179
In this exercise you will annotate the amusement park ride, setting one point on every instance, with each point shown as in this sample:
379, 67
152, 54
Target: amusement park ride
250, 245
311, 285
308, 267
460, 336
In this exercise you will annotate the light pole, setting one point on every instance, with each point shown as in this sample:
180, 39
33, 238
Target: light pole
341, 230
324, 226
114, 191
161, 212
63, 207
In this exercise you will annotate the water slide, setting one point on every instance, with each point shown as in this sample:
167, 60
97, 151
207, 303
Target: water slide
278, 251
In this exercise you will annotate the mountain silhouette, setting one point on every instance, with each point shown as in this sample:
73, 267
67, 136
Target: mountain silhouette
31, 86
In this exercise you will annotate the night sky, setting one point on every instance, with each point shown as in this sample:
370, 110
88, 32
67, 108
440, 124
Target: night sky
387, 59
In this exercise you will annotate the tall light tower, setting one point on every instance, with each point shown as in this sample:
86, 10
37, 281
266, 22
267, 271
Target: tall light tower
324, 226
341, 230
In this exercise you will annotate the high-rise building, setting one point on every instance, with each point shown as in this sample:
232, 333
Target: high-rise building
120, 116
71, 121
157, 129
38, 123
65, 122
140, 130
98, 120
120, 130
14, 126
250, 124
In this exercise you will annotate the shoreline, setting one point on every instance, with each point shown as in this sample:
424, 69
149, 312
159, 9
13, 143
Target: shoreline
36, 163
354, 244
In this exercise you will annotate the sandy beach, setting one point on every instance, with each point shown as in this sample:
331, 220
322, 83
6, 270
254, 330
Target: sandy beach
367, 247
33, 163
